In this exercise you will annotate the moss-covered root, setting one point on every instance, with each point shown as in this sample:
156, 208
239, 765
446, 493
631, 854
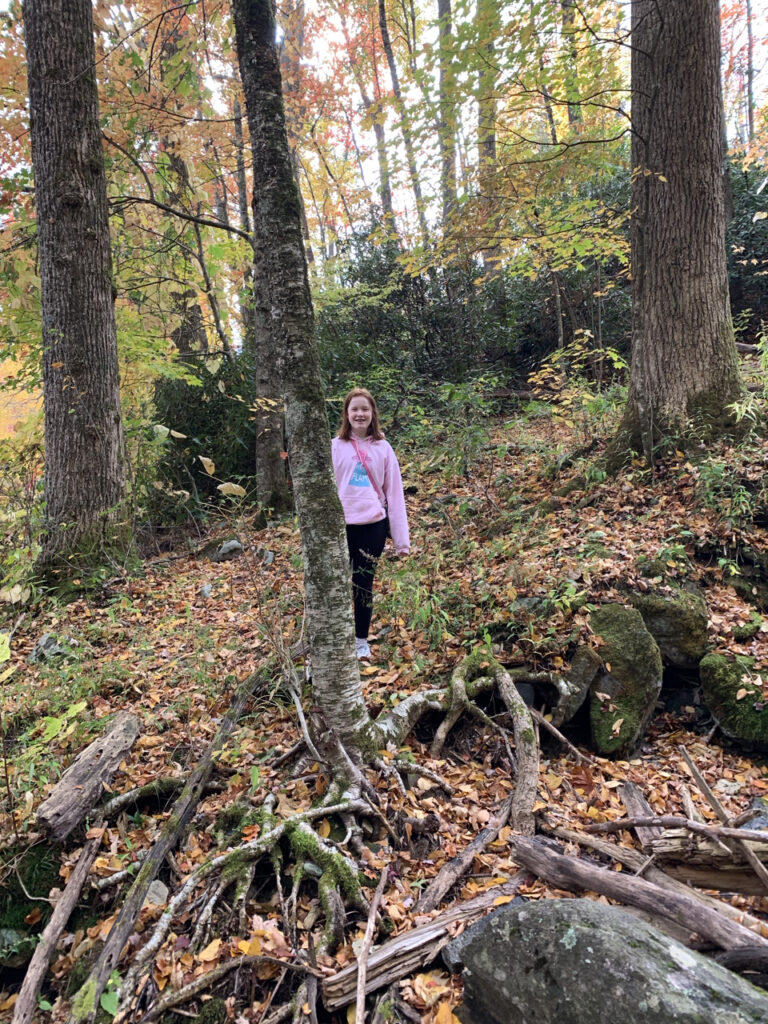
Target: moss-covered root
470, 677
338, 885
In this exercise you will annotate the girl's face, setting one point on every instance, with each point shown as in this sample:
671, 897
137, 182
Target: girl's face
360, 412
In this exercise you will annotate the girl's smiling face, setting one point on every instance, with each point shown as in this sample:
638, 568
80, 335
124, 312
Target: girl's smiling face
360, 413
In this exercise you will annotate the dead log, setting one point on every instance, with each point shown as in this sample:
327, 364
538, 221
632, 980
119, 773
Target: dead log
682, 846
85, 1004
405, 953
574, 874
82, 784
746, 849
638, 807
672, 877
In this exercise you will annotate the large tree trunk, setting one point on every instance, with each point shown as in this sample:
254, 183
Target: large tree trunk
277, 218
684, 364
84, 459
261, 348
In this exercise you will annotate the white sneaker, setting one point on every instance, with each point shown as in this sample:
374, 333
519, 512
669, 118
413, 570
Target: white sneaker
362, 648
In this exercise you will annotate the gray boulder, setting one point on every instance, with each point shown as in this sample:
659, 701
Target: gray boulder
624, 693
580, 962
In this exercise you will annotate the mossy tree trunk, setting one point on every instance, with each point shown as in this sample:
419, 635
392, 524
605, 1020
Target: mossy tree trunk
684, 372
84, 452
277, 218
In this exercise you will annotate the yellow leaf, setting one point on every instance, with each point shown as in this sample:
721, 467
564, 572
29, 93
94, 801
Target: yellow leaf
553, 781
501, 900
252, 948
351, 1013
210, 952
445, 1015
371, 670
324, 828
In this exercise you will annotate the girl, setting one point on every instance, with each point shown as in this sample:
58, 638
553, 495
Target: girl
371, 493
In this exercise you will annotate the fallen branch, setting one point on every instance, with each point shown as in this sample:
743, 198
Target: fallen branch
754, 861
682, 908
26, 1004
450, 873
407, 952
673, 821
198, 985
85, 1004
637, 806
544, 722
362, 962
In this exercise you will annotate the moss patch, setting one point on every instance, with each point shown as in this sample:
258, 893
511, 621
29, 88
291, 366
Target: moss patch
738, 704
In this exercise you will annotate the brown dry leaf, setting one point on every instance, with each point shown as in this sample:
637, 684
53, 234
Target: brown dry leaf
616, 727
741, 693
431, 987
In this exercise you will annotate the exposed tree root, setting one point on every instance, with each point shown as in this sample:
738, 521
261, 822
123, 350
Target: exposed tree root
326, 865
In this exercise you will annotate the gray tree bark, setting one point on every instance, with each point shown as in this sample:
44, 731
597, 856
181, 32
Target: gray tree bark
84, 457
337, 689
684, 370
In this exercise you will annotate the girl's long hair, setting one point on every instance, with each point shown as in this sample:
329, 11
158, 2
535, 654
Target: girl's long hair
374, 429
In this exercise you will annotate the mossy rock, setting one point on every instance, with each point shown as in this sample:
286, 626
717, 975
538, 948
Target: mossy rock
677, 621
749, 630
585, 665
742, 718
624, 692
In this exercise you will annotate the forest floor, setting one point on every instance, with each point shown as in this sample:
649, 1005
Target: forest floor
172, 642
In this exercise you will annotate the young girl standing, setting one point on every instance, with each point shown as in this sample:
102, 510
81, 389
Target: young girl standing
371, 493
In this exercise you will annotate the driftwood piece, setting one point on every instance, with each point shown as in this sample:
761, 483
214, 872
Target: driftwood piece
574, 874
405, 953
752, 857
85, 1004
638, 807
82, 784
672, 877
451, 872
26, 1005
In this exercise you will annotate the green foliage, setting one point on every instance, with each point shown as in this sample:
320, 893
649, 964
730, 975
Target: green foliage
212, 418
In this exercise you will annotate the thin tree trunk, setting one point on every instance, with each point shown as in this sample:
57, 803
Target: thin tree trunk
277, 217
447, 123
405, 125
84, 454
488, 29
684, 370
750, 73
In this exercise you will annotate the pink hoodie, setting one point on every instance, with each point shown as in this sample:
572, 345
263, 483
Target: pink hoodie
358, 496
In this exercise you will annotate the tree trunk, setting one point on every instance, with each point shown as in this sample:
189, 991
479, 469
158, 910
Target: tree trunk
488, 24
277, 219
261, 348
405, 125
447, 124
684, 369
84, 457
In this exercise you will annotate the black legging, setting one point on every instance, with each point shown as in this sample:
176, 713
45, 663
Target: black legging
366, 542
